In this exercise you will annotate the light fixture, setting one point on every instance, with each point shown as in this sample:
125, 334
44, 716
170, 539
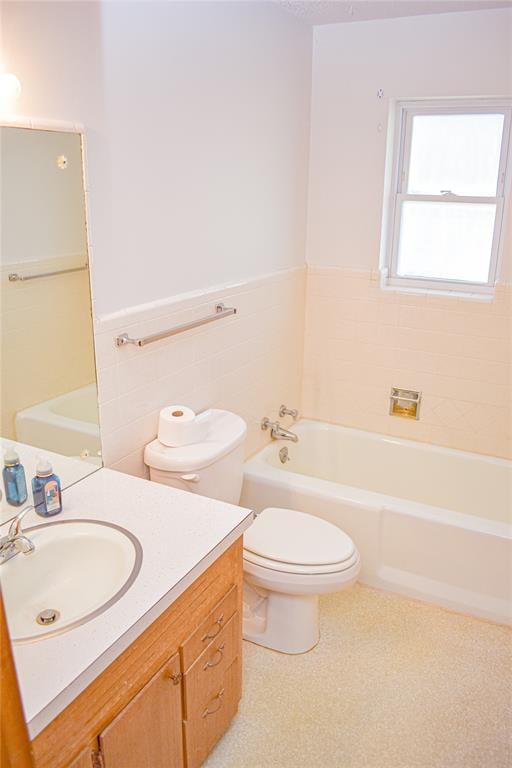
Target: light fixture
10, 89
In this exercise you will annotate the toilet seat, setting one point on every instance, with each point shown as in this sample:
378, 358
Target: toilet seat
305, 570
294, 542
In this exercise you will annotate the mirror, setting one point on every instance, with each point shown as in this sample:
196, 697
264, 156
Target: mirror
49, 404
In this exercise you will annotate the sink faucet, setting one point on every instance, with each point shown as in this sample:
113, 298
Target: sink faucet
15, 541
277, 432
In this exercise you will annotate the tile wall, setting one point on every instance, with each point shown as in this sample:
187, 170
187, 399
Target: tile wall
248, 363
357, 343
360, 341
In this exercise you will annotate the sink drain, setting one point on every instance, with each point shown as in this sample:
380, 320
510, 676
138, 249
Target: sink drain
47, 617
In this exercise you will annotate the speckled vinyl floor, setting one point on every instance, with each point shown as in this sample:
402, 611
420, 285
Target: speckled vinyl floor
393, 683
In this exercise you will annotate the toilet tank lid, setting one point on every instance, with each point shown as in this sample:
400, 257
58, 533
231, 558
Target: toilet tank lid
223, 432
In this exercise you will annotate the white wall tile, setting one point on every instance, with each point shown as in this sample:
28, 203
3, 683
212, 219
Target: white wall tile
249, 363
457, 352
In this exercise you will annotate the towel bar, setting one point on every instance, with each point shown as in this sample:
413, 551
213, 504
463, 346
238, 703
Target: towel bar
220, 312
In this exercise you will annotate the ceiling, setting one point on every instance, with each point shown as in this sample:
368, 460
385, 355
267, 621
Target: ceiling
316, 12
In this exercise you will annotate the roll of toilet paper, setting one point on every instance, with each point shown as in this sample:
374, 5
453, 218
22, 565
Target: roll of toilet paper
178, 426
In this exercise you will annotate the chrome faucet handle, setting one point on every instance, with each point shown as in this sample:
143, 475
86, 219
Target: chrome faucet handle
23, 544
293, 412
267, 423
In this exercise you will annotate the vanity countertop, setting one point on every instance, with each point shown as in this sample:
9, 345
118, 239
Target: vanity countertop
181, 533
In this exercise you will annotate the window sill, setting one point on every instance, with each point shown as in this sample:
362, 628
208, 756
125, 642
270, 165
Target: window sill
478, 293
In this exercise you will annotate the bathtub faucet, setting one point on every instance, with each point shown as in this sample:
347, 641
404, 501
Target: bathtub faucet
277, 432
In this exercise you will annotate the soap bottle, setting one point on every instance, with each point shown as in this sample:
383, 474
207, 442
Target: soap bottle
14, 479
46, 489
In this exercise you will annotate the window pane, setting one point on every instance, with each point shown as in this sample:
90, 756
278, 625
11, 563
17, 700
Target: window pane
456, 152
447, 241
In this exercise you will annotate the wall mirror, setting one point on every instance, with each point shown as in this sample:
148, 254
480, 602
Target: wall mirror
49, 404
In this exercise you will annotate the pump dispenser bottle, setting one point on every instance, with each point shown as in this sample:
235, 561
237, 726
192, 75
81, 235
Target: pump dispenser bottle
14, 479
46, 489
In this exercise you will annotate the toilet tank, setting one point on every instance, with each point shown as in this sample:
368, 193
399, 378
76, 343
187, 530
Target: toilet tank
212, 467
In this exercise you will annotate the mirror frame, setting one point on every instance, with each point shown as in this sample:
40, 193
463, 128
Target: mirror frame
61, 126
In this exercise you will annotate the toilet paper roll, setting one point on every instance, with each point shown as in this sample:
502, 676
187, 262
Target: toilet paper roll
178, 426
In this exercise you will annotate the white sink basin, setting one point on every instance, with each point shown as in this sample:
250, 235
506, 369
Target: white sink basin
79, 569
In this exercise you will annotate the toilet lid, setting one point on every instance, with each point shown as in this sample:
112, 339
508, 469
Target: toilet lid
288, 536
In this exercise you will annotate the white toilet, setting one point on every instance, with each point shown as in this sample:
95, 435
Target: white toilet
290, 558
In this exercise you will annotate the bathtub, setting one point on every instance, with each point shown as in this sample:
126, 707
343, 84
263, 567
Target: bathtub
430, 522
67, 424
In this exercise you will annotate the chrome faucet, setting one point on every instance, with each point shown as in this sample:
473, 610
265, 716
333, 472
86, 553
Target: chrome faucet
15, 541
277, 432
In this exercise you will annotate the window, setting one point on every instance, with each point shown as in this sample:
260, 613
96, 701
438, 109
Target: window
447, 197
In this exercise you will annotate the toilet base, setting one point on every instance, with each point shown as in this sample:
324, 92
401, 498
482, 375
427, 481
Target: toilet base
285, 623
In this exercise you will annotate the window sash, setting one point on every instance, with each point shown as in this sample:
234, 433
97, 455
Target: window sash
406, 113
439, 281
407, 126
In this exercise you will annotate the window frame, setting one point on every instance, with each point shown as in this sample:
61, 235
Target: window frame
404, 113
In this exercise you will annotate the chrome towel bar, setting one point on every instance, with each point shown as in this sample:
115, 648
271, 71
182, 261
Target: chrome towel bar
14, 277
220, 312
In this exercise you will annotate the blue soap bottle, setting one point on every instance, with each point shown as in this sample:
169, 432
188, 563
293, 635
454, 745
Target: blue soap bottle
14, 479
46, 490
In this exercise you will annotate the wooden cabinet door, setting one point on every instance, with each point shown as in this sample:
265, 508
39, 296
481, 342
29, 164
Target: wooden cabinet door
147, 733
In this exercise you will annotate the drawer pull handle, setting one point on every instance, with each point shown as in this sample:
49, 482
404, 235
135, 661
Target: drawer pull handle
219, 699
211, 636
220, 652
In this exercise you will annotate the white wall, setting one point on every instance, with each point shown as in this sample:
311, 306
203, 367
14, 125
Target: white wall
197, 124
459, 54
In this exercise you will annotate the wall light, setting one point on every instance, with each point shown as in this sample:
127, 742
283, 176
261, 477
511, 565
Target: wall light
10, 89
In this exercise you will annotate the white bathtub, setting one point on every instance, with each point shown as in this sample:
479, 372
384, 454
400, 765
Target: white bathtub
67, 424
429, 522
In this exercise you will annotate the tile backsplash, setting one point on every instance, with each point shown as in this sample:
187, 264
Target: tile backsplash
360, 341
248, 363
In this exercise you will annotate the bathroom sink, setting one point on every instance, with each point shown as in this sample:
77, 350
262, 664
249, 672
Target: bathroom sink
78, 569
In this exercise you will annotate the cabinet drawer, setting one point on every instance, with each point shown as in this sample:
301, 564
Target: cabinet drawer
204, 729
204, 678
209, 629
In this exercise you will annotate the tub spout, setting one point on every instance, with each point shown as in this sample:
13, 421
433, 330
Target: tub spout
277, 432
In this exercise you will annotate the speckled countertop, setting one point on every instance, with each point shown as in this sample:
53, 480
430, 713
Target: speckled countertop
181, 535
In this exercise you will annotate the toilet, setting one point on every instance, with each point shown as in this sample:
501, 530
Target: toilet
290, 558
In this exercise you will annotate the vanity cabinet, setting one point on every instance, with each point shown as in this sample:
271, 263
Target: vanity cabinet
84, 759
169, 697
